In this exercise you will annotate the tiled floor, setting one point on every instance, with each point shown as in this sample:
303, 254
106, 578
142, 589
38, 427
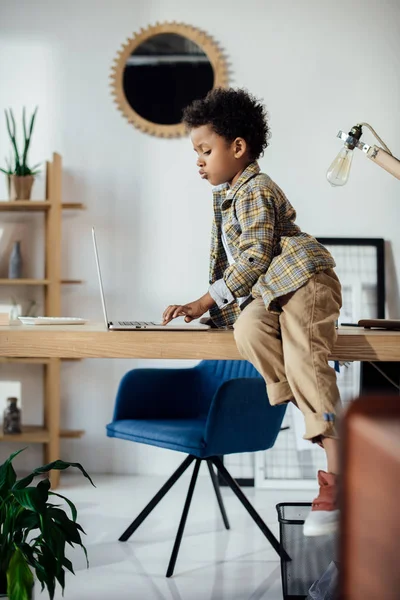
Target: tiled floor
213, 564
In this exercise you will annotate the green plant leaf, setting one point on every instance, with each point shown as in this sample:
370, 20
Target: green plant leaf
19, 577
48, 563
40, 574
12, 134
28, 552
27, 140
14, 129
56, 540
86, 555
31, 498
44, 487
68, 565
28, 520
7, 474
33, 121
70, 504
60, 575
58, 465
61, 465
69, 529
24, 121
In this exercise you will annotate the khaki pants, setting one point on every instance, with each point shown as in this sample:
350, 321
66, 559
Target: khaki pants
290, 350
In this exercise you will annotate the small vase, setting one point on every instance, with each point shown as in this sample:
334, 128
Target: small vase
12, 417
20, 188
15, 262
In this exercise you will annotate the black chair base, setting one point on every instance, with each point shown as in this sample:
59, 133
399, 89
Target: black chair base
222, 471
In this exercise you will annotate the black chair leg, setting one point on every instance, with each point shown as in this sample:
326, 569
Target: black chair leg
214, 480
182, 523
253, 513
159, 496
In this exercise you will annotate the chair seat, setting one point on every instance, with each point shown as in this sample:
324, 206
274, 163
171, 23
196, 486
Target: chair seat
183, 435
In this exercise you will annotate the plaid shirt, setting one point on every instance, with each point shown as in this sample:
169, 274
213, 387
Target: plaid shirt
273, 257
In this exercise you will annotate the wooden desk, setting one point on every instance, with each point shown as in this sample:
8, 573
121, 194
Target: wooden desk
48, 344
94, 341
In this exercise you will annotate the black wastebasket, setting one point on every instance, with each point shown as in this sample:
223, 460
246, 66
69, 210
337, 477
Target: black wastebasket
310, 556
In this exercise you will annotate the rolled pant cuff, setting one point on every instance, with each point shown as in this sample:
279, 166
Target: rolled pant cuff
279, 392
319, 424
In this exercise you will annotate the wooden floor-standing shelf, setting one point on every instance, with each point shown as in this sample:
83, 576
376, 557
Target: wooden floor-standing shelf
50, 433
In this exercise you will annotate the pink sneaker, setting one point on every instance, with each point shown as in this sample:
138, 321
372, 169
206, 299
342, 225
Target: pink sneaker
324, 516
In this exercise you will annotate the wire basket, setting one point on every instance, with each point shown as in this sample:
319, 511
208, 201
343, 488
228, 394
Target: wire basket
310, 556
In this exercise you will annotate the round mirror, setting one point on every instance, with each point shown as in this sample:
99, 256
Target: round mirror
161, 71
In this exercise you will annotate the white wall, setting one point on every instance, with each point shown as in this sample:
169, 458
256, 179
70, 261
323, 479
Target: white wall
320, 66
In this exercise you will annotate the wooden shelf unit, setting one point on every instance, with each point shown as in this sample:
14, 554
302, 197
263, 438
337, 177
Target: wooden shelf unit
52, 206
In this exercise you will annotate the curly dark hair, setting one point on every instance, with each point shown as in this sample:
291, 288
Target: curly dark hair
232, 113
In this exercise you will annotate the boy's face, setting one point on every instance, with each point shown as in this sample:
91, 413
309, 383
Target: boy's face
219, 160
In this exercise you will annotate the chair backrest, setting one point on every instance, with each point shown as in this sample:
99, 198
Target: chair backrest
228, 369
213, 373
189, 396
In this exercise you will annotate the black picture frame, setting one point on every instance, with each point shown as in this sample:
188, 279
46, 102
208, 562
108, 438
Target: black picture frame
379, 245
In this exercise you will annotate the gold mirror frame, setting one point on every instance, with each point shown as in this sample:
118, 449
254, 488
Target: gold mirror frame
204, 41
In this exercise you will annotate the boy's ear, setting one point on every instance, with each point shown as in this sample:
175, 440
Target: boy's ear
239, 147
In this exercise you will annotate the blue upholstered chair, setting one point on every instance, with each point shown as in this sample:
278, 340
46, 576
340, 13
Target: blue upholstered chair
216, 408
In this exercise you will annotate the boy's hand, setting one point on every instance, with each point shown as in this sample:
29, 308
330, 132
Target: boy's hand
193, 310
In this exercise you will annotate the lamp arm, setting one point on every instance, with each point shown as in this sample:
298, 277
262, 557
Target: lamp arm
387, 161
372, 130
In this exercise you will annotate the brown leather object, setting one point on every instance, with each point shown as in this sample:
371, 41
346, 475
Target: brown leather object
370, 500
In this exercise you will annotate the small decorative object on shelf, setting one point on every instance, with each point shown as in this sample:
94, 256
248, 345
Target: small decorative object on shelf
20, 177
12, 417
15, 263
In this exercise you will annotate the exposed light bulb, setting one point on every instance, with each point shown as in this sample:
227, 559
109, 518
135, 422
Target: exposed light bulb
338, 172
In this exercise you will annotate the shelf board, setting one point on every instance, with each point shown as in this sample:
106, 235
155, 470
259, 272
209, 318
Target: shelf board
72, 433
73, 206
38, 281
24, 205
24, 282
36, 434
35, 205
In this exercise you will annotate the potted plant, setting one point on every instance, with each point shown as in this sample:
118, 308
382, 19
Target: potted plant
34, 532
20, 176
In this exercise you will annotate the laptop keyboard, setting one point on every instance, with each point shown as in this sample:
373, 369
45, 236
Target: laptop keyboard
137, 324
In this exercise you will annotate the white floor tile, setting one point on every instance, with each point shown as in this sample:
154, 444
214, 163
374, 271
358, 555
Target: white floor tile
213, 564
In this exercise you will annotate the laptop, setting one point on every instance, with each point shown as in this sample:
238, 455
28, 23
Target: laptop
138, 325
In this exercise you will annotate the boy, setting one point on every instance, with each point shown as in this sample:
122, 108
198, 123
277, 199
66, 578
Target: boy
272, 282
